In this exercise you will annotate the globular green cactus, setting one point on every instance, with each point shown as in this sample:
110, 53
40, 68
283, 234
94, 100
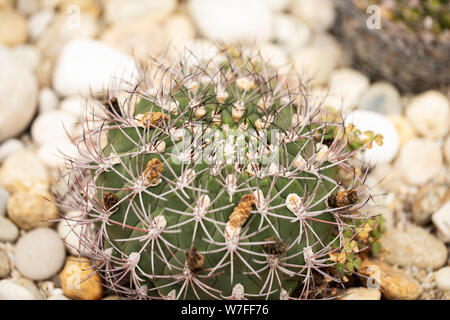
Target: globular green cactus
216, 178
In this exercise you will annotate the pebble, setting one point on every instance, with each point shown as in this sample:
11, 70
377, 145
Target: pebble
362, 294
404, 128
91, 7
23, 171
442, 277
232, 21
71, 232
393, 283
54, 153
57, 297
13, 28
78, 282
381, 97
119, 11
27, 7
4, 196
29, 55
6, 4
369, 120
52, 126
31, 210
8, 230
316, 62
39, 254
419, 161
319, 14
84, 65
39, 22
18, 95
48, 100
441, 220
346, 87
5, 264
10, 146
428, 200
30, 286
430, 113
290, 33
413, 246
178, 30
12, 291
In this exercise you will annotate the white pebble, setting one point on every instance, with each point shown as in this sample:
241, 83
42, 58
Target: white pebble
8, 230
441, 220
39, 22
419, 161
54, 153
430, 114
84, 65
369, 120
40, 254
319, 14
11, 291
443, 279
50, 126
9, 147
48, 100
290, 33
74, 234
232, 21
29, 55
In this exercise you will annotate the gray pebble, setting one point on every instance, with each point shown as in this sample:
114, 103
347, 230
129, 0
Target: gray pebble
8, 230
381, 97
4, 196
5, 264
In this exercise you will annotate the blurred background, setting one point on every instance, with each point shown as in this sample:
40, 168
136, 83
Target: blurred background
54, 53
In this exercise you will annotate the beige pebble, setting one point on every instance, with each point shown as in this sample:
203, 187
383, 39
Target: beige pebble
362, 294
86, 6
23, 171
78, 282
13, 28
393, 283
404, 128
31, 210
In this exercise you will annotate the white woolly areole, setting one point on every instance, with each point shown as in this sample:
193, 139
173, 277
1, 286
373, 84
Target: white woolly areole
294, 203
238, 292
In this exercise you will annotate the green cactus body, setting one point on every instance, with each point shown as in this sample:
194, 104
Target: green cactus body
181, 212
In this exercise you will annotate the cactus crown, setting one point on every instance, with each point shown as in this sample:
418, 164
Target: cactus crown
216, 178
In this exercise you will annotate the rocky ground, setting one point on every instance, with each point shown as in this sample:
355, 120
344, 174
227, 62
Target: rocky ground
53, 52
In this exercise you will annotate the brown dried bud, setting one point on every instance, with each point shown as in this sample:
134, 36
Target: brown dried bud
195, 260
274, 246
110, 200
152, 119
153, 171
241, 212
343, 198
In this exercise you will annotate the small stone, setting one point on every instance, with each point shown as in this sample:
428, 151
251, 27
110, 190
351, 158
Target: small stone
48, 100
6, 4
39, 22
404, 128
233, 21
57, 297
441, 220
362, 294
13, 28
319, 14
120, 11
30, 286
419, 161
413, 246
54, 153
29, 55
317, 61
111, 298
8, 230
11, 291
5, 264
442, 277
39, 254
381, 97
393, 283
78, 282
8, 147
428, 200
84, 65
23, 171
74, 234
27, 7
366, 120
87, 6
4, 196
18, 94
346, 87
30, 210
52, 126
430, 113
290, 33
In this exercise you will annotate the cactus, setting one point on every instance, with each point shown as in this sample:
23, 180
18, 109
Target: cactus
216, 179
